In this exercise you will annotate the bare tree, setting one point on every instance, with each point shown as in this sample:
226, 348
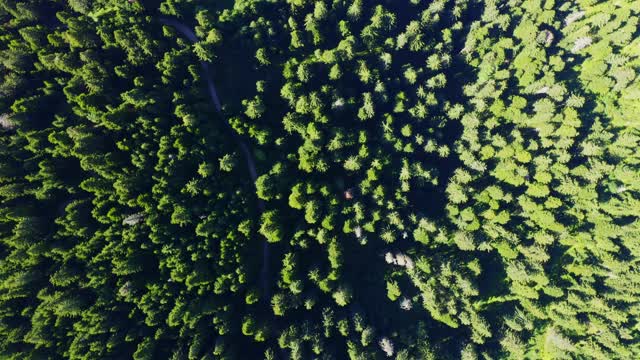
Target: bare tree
573, 17
387, 346
406, 304
6, 123
581, 43
133, 219
388, 257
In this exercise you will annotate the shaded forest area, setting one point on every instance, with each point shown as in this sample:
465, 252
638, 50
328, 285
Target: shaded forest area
448, 179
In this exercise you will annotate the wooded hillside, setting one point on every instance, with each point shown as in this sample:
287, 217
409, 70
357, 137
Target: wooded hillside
442, 179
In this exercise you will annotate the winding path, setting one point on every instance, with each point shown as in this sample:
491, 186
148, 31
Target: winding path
251, 166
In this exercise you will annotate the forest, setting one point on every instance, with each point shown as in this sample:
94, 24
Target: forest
319, 179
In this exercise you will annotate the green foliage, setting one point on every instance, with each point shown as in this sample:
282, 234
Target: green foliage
271, 227
393, 290
250, 188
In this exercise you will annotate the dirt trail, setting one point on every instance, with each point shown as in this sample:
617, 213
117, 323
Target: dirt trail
251, 166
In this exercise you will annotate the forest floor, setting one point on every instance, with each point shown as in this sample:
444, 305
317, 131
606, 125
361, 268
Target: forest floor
213, 94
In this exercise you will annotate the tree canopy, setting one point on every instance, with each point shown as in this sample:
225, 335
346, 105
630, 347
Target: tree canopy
366, 179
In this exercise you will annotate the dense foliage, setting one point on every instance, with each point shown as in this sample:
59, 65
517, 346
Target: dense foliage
447, 179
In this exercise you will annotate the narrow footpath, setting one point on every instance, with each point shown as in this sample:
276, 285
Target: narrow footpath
251, 166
